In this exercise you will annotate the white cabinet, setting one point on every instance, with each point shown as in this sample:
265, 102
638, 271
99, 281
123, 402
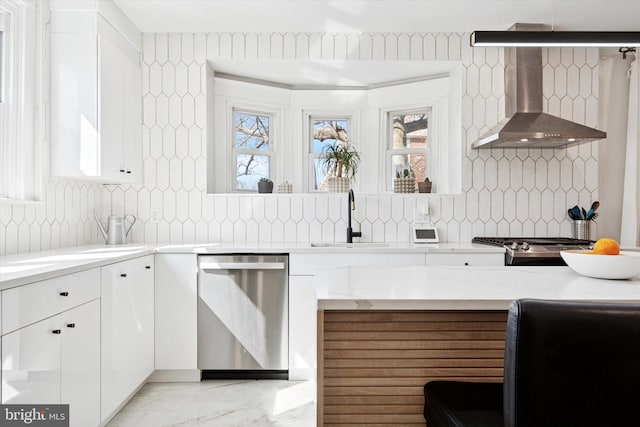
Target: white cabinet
52, 354
127, 330
176, 322
31, 364
120, 117
302, 327
465, 259
96, 99
80, 364
24, 305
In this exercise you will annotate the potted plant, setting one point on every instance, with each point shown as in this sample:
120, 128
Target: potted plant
265, 185
405, 181
425, 186
341, 161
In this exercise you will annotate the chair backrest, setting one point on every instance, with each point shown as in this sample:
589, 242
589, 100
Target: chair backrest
572, 364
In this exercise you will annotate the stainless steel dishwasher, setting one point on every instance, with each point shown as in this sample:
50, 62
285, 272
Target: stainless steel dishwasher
243, 321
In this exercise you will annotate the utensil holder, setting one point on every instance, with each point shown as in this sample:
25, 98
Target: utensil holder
580, 229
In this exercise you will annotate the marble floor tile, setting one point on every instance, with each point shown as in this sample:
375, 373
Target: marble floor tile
221, 403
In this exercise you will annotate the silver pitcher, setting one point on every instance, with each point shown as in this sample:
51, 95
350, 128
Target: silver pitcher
115, 231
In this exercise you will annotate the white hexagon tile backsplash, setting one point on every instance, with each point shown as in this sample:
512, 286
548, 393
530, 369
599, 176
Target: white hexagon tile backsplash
505, 191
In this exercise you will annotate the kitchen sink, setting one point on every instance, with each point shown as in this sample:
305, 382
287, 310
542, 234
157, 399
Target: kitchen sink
348, 245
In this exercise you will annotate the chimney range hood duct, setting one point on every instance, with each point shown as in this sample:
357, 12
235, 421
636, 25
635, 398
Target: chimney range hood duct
527, 126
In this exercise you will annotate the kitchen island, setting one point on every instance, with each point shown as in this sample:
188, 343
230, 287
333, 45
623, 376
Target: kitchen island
384, 332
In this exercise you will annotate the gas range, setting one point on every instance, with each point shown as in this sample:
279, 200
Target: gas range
534, 250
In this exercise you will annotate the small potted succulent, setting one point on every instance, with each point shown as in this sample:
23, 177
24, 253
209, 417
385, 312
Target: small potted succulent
341, 161
265, 185
405, 181
425, 186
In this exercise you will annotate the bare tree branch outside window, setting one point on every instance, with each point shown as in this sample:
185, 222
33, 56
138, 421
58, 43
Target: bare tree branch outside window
252, 145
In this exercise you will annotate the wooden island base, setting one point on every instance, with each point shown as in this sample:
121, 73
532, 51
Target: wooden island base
373, 364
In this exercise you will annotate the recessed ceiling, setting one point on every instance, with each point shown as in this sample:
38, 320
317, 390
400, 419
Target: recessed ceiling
356, 16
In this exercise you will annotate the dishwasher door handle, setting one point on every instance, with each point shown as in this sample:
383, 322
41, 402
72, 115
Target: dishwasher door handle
242, 266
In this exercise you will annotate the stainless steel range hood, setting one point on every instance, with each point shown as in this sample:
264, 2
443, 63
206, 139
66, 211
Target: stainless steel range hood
527, 126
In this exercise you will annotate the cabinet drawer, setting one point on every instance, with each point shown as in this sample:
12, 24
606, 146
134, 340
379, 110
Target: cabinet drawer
474, 260
27, 304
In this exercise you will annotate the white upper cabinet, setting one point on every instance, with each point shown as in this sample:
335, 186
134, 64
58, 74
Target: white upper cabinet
96, 94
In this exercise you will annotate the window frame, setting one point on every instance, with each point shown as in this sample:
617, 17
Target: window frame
3, 29
367, 110
441, 94
235, 151
324, 116
21, 115
426, 151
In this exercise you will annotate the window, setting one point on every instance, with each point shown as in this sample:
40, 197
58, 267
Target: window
252, 147
3, 19
408, 143
19, 66
324, 132
304, 122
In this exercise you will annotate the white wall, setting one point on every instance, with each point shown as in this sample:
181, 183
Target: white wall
505, 192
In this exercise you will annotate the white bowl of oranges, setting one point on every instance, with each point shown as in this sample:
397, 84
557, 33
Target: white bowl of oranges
605, 261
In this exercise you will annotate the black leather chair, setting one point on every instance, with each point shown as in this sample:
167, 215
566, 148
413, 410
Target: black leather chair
566, 364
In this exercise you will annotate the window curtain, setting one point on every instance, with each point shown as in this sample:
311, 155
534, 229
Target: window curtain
630, 224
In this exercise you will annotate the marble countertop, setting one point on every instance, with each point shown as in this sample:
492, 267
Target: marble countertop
17, 270
327, 247
450, 288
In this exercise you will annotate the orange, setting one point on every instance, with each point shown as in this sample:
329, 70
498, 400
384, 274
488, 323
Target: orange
606, 246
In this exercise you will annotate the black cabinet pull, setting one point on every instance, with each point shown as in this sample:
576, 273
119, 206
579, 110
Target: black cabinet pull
121, 170
148, 267
64, 294
71, 325
466, 263
123, 275
128, 171
56, 331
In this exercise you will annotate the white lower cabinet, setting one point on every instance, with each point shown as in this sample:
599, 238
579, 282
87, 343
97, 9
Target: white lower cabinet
465, 259
176, 323
56, 360
80, 365
31, 364
302, 319
127, 330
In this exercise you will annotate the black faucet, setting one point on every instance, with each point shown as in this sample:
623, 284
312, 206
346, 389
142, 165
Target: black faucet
351, 206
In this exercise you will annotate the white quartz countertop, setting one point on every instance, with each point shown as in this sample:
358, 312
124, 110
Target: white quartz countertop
326, 247
17, 270
450, 288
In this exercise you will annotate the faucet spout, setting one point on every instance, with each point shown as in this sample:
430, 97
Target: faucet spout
351, 206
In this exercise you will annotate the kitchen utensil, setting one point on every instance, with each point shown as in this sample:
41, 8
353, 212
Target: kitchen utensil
574, 213
623, 266
115, 232
584, 213
591, 211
